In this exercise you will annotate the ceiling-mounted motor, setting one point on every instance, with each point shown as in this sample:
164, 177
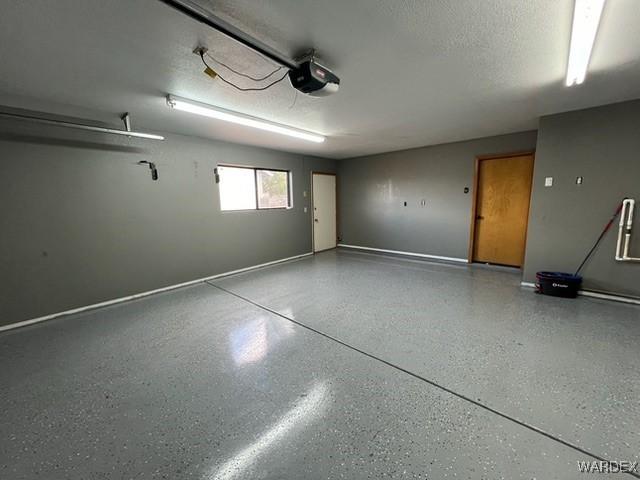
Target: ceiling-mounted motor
314, 79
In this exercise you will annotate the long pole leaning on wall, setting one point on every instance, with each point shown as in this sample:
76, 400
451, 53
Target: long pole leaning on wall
80, 126
624, 232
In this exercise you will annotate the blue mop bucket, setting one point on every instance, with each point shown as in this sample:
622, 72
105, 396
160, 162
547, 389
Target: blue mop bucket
558, 284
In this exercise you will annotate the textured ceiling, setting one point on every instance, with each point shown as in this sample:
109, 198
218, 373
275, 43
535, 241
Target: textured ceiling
414, 72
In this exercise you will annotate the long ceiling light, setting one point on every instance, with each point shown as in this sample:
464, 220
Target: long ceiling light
240, 119
586, 18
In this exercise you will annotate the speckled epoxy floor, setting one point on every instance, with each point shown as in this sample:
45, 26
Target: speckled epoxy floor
198, 383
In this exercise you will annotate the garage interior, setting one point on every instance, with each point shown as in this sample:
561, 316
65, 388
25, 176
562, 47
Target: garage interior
298, 239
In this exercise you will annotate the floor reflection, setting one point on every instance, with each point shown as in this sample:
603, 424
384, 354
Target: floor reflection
251, 341
307, 408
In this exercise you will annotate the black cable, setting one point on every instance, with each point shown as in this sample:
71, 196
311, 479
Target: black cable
255, 79
255, 89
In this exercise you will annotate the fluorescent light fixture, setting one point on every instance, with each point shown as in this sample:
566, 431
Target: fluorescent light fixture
240, 119
586, 18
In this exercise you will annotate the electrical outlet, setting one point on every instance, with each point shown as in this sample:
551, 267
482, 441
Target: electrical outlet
200, 50
548, 182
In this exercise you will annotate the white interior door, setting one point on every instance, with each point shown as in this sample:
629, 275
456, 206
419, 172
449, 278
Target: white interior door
324, 212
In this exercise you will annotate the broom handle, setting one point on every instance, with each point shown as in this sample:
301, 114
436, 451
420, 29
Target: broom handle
606, 229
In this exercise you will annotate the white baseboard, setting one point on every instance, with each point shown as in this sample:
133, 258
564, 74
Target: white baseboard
409, 254
135, 296
587, 293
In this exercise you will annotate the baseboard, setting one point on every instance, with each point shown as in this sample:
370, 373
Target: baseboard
409, 254
135, 296
587, 293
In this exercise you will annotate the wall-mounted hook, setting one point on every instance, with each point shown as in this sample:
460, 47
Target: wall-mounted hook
152, 167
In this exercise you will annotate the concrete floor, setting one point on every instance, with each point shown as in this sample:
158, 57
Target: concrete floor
342, 365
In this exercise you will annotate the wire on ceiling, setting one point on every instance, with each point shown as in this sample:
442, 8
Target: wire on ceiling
295, 98
242, 89
255, 79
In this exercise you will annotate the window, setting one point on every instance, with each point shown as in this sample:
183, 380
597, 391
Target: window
273, 189
244, 188
237, 188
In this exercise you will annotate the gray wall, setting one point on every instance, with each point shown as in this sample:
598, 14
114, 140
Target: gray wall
602, 145
82, 223
373, 189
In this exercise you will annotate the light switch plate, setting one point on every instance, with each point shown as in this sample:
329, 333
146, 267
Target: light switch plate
548, 182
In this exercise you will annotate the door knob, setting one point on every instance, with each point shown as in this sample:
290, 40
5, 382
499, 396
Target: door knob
315, 220
479, 217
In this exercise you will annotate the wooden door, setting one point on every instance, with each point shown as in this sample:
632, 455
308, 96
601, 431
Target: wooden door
502, 209
324, 211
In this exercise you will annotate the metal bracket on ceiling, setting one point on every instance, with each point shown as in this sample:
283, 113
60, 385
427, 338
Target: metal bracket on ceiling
126, 118
308, 55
